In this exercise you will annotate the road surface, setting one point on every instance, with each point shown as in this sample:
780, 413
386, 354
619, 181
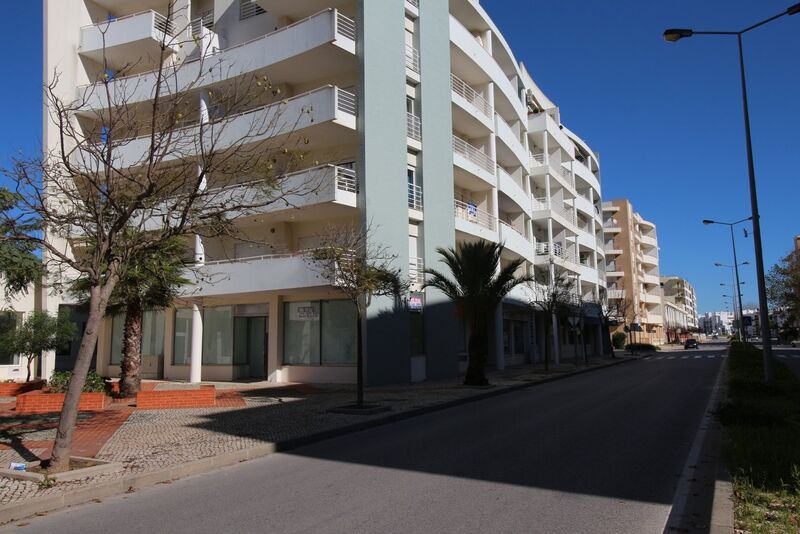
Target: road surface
598, 452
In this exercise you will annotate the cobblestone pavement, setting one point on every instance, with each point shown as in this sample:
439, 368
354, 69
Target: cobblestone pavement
150, 440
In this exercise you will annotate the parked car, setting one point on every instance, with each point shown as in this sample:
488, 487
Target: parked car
691, 344
795, 343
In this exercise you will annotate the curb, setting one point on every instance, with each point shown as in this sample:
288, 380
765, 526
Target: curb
722, 512
134, 482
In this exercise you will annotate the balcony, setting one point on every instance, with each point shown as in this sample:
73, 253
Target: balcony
649, 259
124, 41
414, 129
611, 228
558, 251
510, 150
616, 293
412, 62
649, 241
318, 47
653, 280
295, 10
610, 249
331, 122
650, 298
513, 190
414, 197
515, 241
549, 122
416, 271
472, 220
470, 100
473, 160
246, 275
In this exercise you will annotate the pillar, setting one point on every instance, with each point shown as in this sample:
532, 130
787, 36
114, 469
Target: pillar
196, 361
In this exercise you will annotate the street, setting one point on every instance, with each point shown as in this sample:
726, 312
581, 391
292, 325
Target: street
788, 356
598, 452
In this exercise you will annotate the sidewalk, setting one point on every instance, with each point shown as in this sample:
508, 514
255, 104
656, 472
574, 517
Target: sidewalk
249, 421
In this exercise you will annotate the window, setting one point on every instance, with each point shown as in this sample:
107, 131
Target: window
117, 333
319, 333
218, 336
182, 342
8, 322
249, 8
152, 335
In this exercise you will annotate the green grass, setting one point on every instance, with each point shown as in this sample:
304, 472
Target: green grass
762, 426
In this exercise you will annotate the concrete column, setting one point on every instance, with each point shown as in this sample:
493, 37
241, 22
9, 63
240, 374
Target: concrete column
196, 361
275, 342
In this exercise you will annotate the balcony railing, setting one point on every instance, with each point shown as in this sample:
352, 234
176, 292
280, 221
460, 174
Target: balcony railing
416, 270
160, 22
616, 293
462, 89
414, 3
564, 174
540, 203
414, 197
473, 154
346, 26
204, 20
470, 212
346, 102
537, 159
412, 58
413, 126
507, 225
558, 250
346, 179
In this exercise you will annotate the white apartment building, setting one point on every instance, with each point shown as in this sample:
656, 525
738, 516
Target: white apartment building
632, 270
683, 294
425, 126
717, 322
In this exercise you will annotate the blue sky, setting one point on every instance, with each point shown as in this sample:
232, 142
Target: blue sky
665, 118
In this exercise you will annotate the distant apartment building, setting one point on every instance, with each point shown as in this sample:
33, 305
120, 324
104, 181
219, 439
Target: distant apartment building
424, 125
682, 293
676, 321
632, 270
717, 322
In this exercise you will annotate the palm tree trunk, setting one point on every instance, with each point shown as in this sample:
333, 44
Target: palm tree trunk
130, 378
476, 375
548, 342
59, 458
359, 360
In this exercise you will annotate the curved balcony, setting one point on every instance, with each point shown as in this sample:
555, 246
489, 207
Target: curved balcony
297, 10
472, 102
327, 116
510, 150
649, 241
509, 186
546, 122
649, 259
474, 221
585, 205
474, 55
515, 241
320, 46
651, 279
583, 172
128, 40
473, 160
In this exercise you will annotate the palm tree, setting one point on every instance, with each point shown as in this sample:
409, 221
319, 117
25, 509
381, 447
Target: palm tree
150, 282
477, 287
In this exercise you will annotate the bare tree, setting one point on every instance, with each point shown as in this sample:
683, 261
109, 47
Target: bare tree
556, 298
361, 269
200, 150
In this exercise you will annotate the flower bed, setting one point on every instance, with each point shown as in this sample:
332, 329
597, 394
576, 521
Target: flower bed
12, 389
202, 397
43, 402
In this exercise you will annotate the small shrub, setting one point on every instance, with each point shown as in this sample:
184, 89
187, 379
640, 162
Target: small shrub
641, 347
619, 339
59, 382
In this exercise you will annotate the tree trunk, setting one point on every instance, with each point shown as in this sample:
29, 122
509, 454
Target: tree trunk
130, 378
476, 375
30, 361
359, 359
59, 459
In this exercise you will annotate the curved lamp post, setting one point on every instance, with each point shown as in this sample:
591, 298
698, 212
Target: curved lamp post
676, 34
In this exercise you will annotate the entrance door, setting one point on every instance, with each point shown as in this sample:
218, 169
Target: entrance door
250, 346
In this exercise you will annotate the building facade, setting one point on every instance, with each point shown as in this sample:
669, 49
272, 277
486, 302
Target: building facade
424, 126
632, 271
718, 322
683, 293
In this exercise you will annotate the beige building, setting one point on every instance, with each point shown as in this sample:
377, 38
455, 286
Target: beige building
634, 283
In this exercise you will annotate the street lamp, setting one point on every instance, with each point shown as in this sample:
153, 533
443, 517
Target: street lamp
676, 34
737, 289
740, 318
734, 272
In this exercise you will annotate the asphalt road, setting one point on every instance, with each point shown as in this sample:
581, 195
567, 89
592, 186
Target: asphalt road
598, 452
788, 356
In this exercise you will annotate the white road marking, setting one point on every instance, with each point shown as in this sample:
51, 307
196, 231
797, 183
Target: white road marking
684, 357
697, 357
670, 357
